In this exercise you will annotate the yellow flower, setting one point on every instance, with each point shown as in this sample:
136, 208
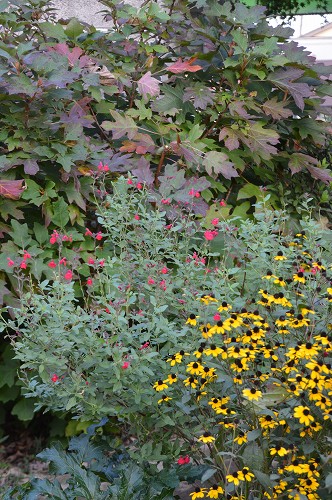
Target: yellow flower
241, 438
280, 256
280, 282
299, 277
195, 368
164, 399
279, 450
160, 385
171, 379
190, 381
206, 438
224, 307
192, 320
198, 493
269, 276
247, 474
303, 414
252, 394
235, 478
214, 491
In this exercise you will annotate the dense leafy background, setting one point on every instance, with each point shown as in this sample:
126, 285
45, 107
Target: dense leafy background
193, 98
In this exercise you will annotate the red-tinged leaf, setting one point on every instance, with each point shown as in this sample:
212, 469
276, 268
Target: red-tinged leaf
11, 189
123, 125
190, 155
230, 137
148, 85
184, 66
143, 171
277, 109
141, 144
321, 174
63, 49
261, 140
216, 162
300, 161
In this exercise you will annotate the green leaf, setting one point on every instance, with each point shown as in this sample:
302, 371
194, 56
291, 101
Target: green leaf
123, 125
253, 456
264, 480
216, 162
24, 409
74, 28
60, 213
54, 31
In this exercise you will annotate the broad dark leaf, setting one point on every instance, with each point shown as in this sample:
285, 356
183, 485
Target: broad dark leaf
11, 189
285, 79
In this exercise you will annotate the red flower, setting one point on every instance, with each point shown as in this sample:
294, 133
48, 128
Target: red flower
151, 281
103, 168
164, 270
139, 185
91, 261
129, 181
10, 262
136, 217
89, 282
23, 264
216, 317
52, 264
184, 460
215, 222
125, 365
222, 203
26, 255
69, 274
54, 378
63, 261
88, 232
210, 235
99, 236
166, 201
102, 262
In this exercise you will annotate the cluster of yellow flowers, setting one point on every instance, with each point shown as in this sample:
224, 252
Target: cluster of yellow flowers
265, 376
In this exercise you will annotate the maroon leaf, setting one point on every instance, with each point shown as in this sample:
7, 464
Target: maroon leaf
148, 85
31, 167
184, 66
141, 144
143, 172
277, 109
285, 79
321, 174
300, 161
231, 141
11, 189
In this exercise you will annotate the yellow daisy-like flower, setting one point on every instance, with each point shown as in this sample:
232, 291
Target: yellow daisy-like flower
280, 256
192, 320
207, 299
198, 493
215, 491
278, 450
248, 476
224, 307
299, 277
164, 399
235, 478
171, 379
177, 358
303, 414
252, 394
160, 385
191, 382
269, 275
279, 281
241, 438
195, 368
206, 438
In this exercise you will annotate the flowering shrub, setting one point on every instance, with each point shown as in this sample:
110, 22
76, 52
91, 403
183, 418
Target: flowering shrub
208, 351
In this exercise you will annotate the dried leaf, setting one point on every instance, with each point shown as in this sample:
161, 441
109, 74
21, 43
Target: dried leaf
11, 189
148, 85
184, 66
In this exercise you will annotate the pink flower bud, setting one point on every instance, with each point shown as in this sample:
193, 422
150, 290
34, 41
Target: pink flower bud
125, 365
151, 281
54, 378
99, 236
210, 235
89, 282
10, 262
52, 264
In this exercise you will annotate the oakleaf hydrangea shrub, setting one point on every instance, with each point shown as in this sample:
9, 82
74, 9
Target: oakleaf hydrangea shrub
211, 344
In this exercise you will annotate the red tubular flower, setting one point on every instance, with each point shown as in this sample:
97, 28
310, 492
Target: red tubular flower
68, 275
10, 262
184, 460
52, 264
54, 378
